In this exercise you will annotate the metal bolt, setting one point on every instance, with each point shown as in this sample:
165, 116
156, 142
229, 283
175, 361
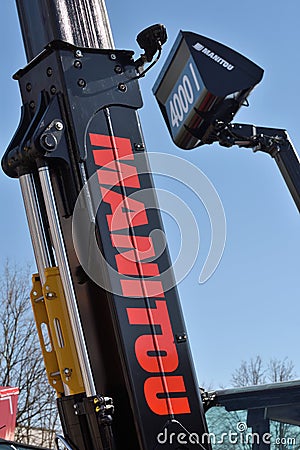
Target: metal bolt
53, 90
113, 56
55, 374
59, 126
78, 54
118, 69
32, 105
181, 337
77, 64
67, 371
122, 87
50, 295
49, 71
28, 87
139, 147
49, 142
81, 83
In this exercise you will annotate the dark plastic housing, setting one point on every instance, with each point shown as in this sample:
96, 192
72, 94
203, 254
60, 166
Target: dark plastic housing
202, 81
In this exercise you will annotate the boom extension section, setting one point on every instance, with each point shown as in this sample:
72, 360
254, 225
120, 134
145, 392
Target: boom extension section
105, 289
276, 142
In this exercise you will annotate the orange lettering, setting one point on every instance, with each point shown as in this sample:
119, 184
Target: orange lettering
155, 353
121, 146
126, 211
155, 386
142, 288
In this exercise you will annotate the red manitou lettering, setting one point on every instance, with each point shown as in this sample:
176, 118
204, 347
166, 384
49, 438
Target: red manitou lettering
142, 288
121, 146
131, 262
156, 386
155, 353
115, 172
123, 175
126, 266
142, 245
126, 212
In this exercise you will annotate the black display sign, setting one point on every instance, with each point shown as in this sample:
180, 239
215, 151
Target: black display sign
202, 81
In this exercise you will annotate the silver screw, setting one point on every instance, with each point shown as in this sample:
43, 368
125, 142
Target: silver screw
122, 87
50, 295
78, 54
81, 83
77, 64
59, 126
113, 56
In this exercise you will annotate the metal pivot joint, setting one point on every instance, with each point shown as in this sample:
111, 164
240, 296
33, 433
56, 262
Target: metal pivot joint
273, 141
45, 128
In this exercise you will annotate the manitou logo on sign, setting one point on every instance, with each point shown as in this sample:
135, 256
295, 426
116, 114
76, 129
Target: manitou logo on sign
156, 351
201, 48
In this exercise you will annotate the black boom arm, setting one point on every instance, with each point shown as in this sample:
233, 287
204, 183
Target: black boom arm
276, 142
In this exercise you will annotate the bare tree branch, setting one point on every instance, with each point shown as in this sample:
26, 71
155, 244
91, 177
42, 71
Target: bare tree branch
249, 373
255, 372
280, 370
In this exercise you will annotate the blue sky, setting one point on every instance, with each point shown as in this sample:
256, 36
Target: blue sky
251, 304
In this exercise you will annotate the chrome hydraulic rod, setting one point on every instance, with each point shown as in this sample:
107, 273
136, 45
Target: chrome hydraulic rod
78, 22
35, 225
62, 261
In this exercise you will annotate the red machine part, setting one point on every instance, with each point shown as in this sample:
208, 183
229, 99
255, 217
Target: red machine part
8, 411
